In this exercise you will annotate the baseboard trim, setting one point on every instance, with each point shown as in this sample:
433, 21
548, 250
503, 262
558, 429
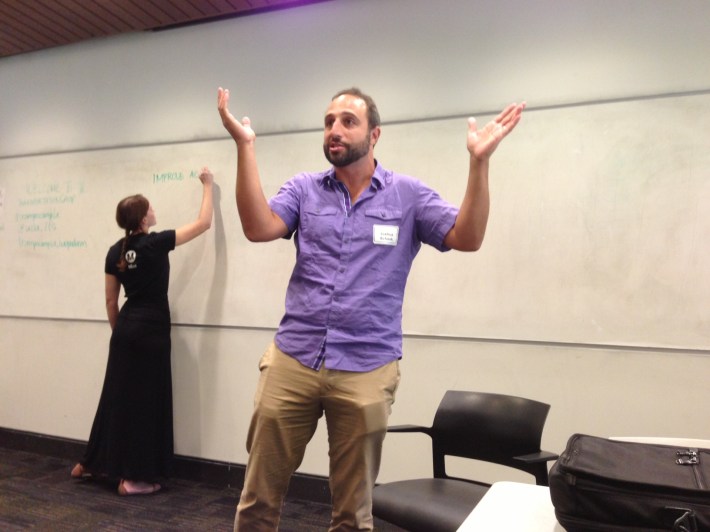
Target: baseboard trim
222, 474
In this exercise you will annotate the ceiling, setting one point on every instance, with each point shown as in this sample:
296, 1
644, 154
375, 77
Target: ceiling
26, 26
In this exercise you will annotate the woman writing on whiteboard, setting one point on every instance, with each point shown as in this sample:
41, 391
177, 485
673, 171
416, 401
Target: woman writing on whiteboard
132, 435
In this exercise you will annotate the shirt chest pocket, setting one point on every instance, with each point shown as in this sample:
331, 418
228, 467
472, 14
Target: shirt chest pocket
319, 221
383, 224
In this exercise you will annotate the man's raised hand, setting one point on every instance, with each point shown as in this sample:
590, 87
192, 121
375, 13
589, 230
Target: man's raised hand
482, 143
241, 132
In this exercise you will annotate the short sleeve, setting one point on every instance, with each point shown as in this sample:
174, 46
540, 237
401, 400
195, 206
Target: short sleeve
435, 217
112, 257
163, 241
287, 202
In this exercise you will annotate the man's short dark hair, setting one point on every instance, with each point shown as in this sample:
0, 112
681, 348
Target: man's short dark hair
373, 115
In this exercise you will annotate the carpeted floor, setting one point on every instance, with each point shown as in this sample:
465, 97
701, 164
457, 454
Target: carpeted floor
37, 493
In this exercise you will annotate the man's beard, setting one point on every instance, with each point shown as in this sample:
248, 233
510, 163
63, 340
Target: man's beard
350, 154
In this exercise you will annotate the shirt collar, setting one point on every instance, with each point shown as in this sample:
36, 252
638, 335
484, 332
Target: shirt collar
379, 178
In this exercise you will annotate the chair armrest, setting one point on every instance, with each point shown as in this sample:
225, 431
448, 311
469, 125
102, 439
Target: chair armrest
408, 428
533, 458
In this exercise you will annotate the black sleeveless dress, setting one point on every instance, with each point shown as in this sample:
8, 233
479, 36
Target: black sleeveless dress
132, 433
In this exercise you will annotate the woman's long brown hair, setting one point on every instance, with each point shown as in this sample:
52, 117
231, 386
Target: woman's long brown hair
129, 216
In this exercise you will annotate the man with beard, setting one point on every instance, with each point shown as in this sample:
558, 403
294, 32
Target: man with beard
357, 228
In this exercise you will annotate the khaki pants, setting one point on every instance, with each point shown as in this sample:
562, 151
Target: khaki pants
290, 399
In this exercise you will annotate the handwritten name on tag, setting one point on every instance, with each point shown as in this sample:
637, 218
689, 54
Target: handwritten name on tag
385, 235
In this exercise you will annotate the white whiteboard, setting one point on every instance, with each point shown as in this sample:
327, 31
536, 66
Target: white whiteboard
598, 231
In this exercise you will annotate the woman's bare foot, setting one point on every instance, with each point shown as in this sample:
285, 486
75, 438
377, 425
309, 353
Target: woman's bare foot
136, 487
80, 471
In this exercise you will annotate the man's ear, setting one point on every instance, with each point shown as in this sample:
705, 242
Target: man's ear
374, 135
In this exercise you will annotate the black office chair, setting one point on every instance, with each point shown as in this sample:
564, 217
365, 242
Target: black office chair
496, 428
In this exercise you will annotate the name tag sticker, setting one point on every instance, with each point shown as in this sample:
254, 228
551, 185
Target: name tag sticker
385, 235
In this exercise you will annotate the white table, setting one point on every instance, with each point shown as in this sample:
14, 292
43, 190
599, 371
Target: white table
513, 506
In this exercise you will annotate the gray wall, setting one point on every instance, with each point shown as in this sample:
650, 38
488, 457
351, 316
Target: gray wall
590, 292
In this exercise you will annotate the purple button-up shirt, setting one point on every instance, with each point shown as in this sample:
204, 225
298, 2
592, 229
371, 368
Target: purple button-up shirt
344, 299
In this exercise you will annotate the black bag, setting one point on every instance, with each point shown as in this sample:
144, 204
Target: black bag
604, 485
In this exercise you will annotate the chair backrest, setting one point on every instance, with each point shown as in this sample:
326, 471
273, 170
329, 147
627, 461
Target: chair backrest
489, 427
